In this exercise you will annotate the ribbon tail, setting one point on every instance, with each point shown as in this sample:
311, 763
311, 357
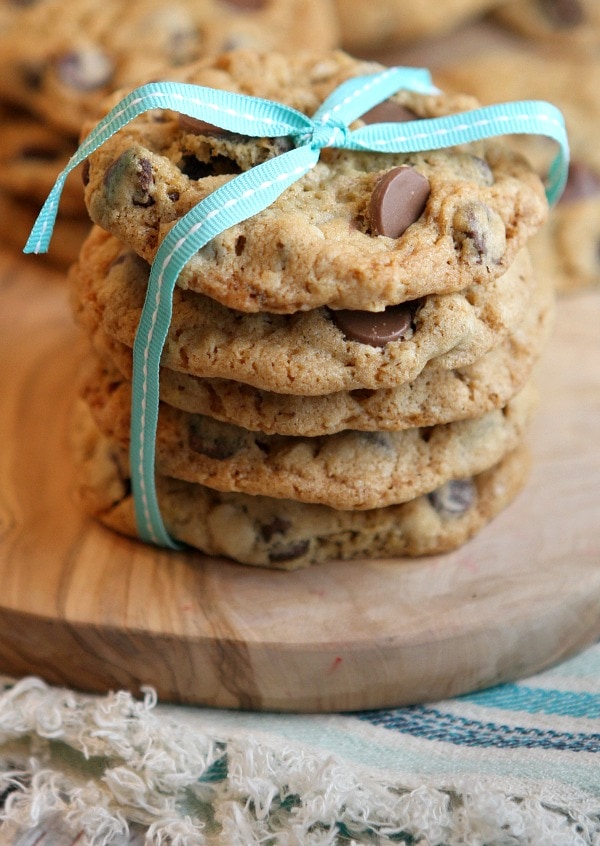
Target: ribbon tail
237, 200
530, 117
237, 112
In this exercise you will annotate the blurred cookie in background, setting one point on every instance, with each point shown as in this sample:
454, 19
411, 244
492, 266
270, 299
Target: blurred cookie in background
60, 59
387, 24
565, 23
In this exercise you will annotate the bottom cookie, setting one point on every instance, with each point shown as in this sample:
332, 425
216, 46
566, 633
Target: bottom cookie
288, 535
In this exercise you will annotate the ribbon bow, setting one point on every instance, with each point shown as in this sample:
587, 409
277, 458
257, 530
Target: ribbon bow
252, 191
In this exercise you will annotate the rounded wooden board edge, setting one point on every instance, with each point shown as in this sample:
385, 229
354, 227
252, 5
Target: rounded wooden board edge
84, 607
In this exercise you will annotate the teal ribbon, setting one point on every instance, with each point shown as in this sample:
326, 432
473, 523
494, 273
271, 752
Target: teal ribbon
249, 193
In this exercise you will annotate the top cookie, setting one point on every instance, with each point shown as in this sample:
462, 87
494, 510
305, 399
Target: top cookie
320, 243
61, 59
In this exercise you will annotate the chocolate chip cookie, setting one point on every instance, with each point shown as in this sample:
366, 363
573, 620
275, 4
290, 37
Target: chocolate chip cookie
283, 534
437, 395
32, 154
308, 353
320, 243
347, 470
61, 59
366, 27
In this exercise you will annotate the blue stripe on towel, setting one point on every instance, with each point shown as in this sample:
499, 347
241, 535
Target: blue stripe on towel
432, 724
535, 700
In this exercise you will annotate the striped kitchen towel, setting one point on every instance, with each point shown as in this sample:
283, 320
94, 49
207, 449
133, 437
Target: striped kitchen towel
507, 766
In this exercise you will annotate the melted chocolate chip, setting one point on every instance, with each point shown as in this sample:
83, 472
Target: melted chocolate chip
277, 526
398, 199
582, 181
388, 112
245, 5
479, 233
376, 328
84, 71
453, 498
85, 172
198, 127
45, 154
563, 13
135, 172
289, 553
32, 75
205, 442
141, 197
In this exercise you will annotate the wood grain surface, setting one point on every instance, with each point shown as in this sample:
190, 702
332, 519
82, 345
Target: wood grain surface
84, 607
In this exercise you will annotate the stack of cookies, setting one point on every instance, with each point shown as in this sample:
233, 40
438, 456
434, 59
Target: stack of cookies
59, 61
346, 373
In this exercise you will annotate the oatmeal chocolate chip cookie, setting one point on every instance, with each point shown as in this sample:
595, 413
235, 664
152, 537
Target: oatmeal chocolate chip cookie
365, 27
347, 470
565, 23
319, 243
283, 534
32, 154
308, 353
61, 59
435, 396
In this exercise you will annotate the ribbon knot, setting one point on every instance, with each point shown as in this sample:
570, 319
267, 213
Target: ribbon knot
326, 132
251, 191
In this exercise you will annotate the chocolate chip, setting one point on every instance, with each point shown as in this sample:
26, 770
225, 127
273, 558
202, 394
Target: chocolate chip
376, 328
197, 126
398, 200
203, 440
245, 5
582, 181
454, 497
479, 233
484, 170
135, 171
32, 75
289, 553
145, 181
388, 112
277, 526
563, 13
85, 172
84, 70
38, 153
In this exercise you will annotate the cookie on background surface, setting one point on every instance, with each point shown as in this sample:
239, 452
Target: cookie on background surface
283, 534
61, 59
566, 23
32, 154
18, 215
368, 27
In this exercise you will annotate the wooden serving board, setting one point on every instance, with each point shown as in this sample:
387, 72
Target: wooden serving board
84, 607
